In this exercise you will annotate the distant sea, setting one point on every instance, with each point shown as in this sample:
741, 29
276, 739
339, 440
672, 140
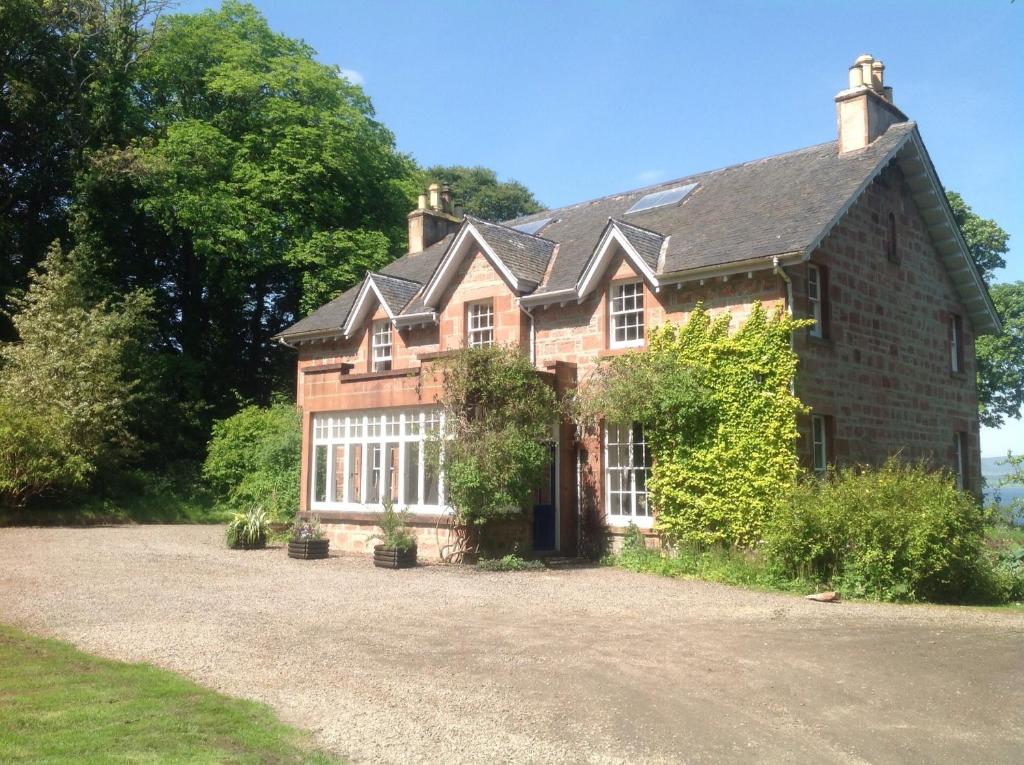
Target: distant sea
994, 469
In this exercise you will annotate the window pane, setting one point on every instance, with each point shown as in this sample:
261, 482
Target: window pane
337, 491
412, 473
320, 473
376, 455
391, 472
355, 474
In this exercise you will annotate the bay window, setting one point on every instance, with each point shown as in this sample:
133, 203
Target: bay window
627, 467
361, 458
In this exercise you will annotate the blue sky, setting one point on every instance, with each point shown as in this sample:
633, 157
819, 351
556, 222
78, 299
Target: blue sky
581, 99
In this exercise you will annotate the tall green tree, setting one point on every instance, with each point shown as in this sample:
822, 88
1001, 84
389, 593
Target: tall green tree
66, 68
66, 387
260, 186
482, 194
1000, 357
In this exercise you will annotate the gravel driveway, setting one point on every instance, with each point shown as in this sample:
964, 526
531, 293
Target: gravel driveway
587, 665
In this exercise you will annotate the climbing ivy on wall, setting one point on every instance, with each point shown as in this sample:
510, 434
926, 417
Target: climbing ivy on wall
719, 415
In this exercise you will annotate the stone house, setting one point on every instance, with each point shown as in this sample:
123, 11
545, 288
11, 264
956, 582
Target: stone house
855, 233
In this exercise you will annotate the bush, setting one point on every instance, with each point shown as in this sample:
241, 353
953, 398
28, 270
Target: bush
248, 529
899, 532
509, 562
66, 388
254, 458
396, 533
498, 414
741, 567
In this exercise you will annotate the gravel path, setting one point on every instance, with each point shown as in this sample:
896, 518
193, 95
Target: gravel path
586, 665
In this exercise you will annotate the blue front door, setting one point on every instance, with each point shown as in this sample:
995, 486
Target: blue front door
545, 517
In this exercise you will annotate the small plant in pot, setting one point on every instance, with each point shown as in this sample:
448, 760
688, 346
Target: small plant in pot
306, 540
398, 542
248, 530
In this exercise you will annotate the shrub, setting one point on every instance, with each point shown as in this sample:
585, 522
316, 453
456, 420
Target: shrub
66, 388
254, 458
248, 529
306, 529
498, 414
394, 526
742, 567
899, 532
510, 562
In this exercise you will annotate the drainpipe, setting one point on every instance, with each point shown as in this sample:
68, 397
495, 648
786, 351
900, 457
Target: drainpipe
781, 272
533, 336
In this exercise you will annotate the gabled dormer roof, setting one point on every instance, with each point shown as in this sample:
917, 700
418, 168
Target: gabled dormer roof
520, 258
391, 293
736, 219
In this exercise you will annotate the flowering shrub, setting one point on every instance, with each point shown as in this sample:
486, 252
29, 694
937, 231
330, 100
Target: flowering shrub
306, 529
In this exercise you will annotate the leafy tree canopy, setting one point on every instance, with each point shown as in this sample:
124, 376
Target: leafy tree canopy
987, 242
1000, 357
482, 194
66, 388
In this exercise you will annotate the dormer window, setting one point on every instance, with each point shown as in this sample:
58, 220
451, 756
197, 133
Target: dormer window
626, 312
380, 346
480, 324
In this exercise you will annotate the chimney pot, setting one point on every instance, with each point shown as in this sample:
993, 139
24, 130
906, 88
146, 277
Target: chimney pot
878, 76
446, 199
435, 191
856, 77
421, 202
865, 110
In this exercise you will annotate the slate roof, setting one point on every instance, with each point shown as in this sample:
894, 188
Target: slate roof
525, 255
779, 205
646, 243
762, 208
396, 291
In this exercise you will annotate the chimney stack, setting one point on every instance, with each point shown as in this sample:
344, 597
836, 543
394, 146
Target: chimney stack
434, 218
865, 110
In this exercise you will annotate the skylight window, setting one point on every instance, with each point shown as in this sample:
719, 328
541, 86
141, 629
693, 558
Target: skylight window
533, 226
662, 198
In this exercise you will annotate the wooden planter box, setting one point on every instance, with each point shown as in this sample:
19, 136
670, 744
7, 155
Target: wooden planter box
308, 549
389, 557
259, 544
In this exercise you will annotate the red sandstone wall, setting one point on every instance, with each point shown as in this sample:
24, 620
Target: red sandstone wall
883, 374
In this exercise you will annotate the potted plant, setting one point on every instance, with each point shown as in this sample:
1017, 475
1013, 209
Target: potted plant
248, 530
306, 540
398, 542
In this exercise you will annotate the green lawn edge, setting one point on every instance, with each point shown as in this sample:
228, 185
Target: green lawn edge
61, 705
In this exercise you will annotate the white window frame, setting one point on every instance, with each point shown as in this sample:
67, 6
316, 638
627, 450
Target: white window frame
381, 346
958, 466
628, 473
480, 324
619, 314
368, 429
814, 300
819, 440
955, 343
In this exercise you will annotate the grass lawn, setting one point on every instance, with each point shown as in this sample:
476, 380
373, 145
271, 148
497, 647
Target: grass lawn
59, 705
